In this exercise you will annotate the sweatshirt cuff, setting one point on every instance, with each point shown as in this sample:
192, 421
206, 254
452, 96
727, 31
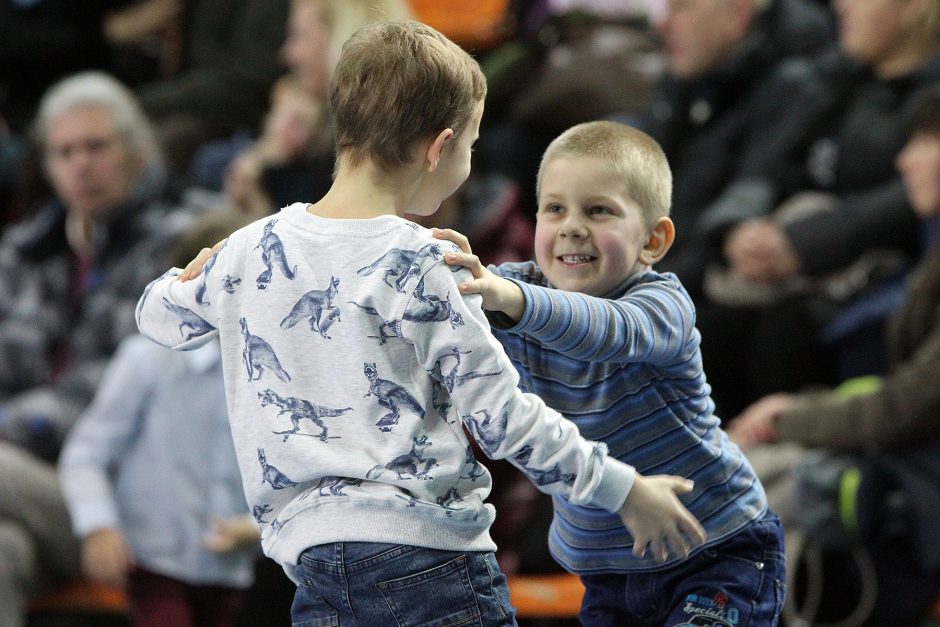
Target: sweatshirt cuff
91, 517
614, 486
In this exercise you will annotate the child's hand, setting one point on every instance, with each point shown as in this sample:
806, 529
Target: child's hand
654, 516
228, 534
194, 267
106, 557
499, 294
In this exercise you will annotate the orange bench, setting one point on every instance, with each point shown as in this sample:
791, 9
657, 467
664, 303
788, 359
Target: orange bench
80, 597
546, 596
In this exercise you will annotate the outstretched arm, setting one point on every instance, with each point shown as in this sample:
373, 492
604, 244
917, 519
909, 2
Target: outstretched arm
545, 446
653, 323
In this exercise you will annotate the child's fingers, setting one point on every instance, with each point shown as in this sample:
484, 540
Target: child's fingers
194, 267
476, 286
679, 545
451, 235
692, 529
467, 260
658, 550
681, 485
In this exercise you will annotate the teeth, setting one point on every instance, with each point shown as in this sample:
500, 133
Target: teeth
575, 258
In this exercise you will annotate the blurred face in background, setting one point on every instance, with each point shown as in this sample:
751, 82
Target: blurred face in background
875, 32
699, 34
305, 47
88, 161
919, 164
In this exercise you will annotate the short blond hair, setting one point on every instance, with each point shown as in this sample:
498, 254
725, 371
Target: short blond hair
636, 156
397, 83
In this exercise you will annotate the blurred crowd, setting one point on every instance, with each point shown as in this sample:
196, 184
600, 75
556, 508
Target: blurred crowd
804, 139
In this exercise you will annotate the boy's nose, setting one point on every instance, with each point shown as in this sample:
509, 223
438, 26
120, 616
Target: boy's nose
574, 228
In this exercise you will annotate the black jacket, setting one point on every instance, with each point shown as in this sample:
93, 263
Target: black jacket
849, 148
715, 129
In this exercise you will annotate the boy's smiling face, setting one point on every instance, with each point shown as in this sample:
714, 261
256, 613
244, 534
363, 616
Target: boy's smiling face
589, 234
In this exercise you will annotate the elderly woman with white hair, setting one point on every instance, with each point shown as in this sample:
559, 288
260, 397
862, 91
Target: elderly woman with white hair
70, 274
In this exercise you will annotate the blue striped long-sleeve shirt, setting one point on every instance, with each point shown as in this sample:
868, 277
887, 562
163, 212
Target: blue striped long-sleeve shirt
627, 369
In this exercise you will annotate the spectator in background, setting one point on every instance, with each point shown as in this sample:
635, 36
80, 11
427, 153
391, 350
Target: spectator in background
70, 276
151, 482
889, 426
227, 51
293, 157
730, 66
809, 279
539, 86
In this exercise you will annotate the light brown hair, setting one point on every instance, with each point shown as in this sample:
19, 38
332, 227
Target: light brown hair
633, 154
397, 83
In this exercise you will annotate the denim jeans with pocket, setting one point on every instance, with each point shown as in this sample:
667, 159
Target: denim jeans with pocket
737, 583
367, 584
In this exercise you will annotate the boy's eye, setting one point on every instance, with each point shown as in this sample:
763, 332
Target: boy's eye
598, 209
553, 208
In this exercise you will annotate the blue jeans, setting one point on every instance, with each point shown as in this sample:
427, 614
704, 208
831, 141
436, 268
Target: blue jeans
372, 585
738, 583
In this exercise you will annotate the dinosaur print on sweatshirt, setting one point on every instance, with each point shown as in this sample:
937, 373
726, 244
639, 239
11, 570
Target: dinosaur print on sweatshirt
333, 486
402, 263
299, 409
188, 320
391, 396
258, 512
259, 356
452, 379
230, 283
476, 468
423, 308
409, 465
312, 306
204, 278
272, 254
489, 432
542, 477
271, 475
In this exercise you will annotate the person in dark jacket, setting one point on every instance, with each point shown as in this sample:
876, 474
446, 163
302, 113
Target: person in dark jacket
806, 283
889, 425
70, 275
730, 66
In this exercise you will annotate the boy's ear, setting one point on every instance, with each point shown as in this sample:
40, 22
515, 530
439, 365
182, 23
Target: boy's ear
436, 148
658, 242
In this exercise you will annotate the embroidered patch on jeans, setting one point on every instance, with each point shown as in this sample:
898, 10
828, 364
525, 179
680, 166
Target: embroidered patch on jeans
709, 612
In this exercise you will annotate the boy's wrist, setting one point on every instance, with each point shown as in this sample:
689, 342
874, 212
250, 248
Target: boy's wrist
512, 300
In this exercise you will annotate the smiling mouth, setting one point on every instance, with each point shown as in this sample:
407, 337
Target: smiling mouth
576, 259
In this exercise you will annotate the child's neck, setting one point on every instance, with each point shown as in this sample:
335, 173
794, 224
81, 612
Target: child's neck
362, 192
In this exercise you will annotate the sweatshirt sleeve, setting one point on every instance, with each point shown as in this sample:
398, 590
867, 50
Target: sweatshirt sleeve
101, 435
652, 323
173, 314
507, 423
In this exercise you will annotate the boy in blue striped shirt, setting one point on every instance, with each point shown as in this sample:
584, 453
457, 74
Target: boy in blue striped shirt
617, 352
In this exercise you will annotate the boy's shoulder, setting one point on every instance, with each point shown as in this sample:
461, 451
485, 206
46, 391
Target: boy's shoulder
650, 278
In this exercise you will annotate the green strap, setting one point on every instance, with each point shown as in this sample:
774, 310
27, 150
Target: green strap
848, 500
